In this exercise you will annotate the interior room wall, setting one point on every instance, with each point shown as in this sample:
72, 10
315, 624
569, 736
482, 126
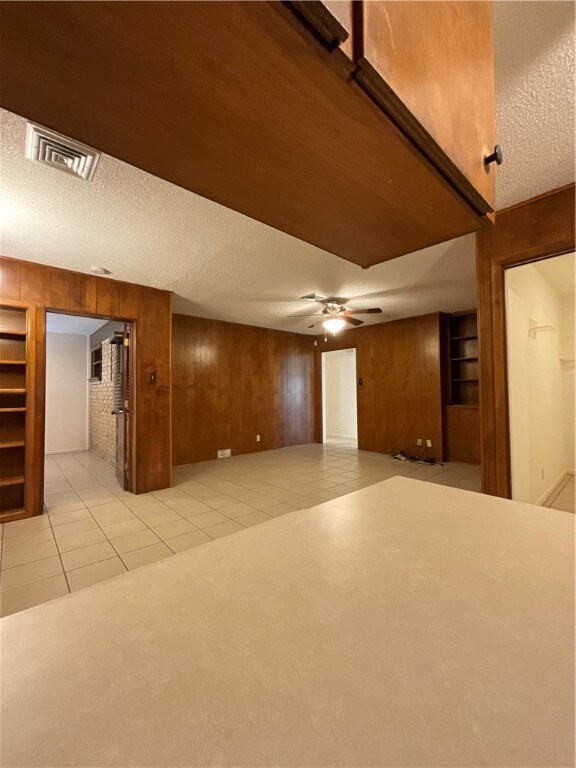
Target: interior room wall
66, 393
232, 382
568, 366
538, 422
400, 398
339, 377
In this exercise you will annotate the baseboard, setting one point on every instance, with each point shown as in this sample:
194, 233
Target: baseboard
541, 499
66, 450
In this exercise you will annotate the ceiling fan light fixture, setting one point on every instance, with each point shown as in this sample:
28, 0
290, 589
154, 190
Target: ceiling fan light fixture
334, 324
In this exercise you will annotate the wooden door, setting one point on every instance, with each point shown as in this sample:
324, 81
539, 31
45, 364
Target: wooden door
123, 408
431, 67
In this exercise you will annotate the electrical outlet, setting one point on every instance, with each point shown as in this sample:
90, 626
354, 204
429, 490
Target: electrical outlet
222, 454
257, 438
419, 441
428, 443
228, 453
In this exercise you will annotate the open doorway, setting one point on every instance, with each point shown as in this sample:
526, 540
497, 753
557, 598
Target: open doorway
541, 373
339, 405
88, 404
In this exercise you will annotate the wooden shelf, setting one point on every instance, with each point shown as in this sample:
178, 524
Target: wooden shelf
475, 381
12, 444
12, 362
11, 332
15, 480
463, 338
463, 359
12, 391
12, 410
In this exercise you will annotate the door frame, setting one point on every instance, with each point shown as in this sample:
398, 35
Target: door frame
132, 422
531, 231
323, 388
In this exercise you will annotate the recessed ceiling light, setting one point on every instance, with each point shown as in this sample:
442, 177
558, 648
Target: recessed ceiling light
100, 271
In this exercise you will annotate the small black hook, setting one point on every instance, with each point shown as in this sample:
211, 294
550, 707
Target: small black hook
495, 157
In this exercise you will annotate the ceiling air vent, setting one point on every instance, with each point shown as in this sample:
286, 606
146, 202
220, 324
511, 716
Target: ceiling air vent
58, 151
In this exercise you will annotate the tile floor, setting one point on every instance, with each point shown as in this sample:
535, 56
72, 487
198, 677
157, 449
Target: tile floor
94, 530
562, 497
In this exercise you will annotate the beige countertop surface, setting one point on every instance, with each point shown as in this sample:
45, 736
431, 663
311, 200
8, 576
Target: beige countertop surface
406, 624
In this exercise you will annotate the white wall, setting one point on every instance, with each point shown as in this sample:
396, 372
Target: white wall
66, 392
339, 403
567, 355
539, 422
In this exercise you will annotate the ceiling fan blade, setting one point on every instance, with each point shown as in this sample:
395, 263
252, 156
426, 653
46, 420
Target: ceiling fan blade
314, 297
333, 300
351, 320
312, 314
315, 324
370, 311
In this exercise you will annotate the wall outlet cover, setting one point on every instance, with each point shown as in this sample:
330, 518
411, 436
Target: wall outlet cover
428, 443
222, 454
257, 438
228, 453
419, 441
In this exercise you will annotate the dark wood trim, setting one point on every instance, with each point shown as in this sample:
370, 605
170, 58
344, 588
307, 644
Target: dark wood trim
539, 228
317, 15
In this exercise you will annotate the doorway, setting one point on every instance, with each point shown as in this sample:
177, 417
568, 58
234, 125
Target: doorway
88, 401
541, 373
339, 400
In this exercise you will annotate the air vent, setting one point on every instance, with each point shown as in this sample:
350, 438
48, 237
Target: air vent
49, 148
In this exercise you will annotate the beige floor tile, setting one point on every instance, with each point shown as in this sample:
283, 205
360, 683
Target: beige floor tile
30, 572
139, 557
92, 574
220, 502
80, 526
280, 509
237, 510
76, 558
80, 540
223, 529
69, 517
204, 494
32, 594
112, 516
177, 528
263, 502
134, 541
208, 518
124, 528
30, 525
28, 554
99, 501
254, 518
187, 541
28, 540
158, 516
61, 509
194, 508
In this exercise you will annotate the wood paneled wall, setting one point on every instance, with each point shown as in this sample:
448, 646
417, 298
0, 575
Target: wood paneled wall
400, 398
148, 309
232, 382
533, 230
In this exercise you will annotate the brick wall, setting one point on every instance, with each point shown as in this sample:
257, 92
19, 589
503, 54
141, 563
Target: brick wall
102, 422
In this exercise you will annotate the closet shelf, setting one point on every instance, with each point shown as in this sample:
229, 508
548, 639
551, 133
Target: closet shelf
12, 410
462, 338
15, 480
12, 391
12, 444
11, 332
463, 359
12, 362
475, 381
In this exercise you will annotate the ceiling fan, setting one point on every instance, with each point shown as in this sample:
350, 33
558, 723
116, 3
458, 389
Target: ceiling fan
335, 314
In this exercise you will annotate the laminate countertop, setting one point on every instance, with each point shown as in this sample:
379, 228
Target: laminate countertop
406, 624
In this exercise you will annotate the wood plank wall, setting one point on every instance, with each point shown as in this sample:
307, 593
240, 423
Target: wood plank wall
232, 382
400, 398
148, 308
535, 229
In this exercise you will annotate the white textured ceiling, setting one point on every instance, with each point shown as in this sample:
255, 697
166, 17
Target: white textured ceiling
534, 61
222, 264
80, 326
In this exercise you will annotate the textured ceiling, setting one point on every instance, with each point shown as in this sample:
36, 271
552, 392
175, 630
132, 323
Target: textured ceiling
222, 264
534, 61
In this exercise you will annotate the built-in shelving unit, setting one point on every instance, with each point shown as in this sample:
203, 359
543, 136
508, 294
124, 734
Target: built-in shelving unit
13, 406
461, 412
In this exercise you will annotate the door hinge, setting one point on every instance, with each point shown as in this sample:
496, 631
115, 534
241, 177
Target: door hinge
126, 341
